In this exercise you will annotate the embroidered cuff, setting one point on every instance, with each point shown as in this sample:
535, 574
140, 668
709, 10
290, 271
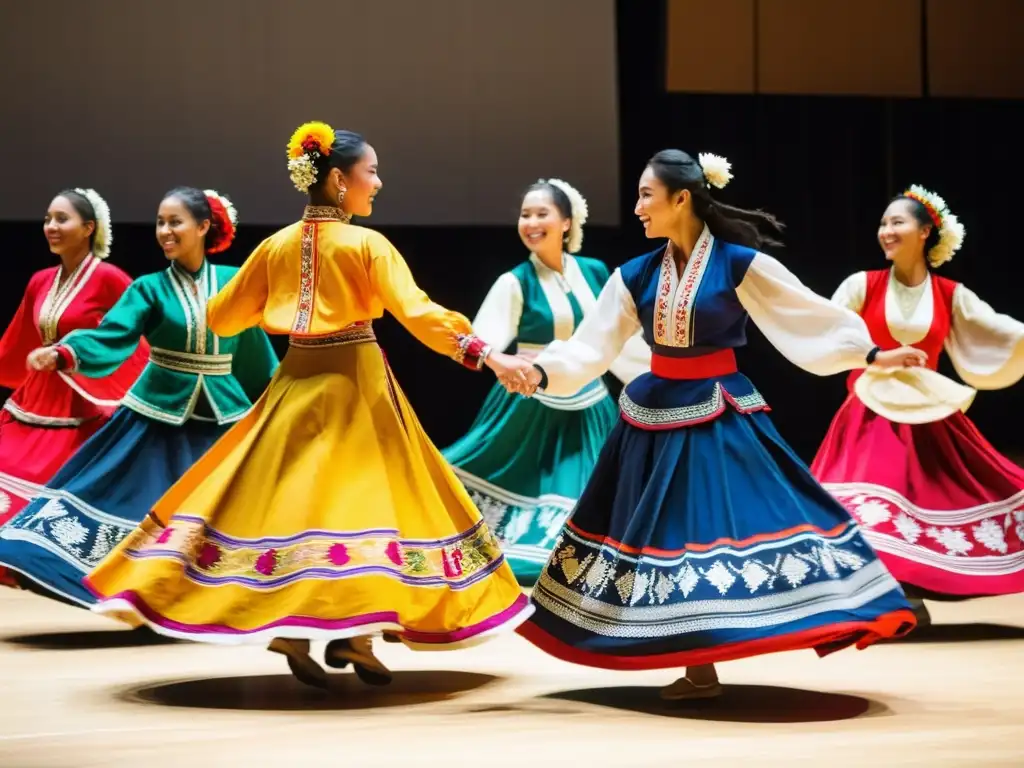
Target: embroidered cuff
472, 351
66, 360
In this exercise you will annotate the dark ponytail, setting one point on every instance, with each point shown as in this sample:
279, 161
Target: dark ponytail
754, 229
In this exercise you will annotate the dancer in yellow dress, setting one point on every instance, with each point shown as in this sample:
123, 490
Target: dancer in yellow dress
326, 513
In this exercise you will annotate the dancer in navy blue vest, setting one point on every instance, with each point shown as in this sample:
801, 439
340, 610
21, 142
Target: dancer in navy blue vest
701, 536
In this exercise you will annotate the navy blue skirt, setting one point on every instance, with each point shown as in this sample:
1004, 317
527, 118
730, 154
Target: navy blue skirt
97, 498
706, 543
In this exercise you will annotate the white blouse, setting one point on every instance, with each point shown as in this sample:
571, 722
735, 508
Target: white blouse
985, 347
810, 331
497, 321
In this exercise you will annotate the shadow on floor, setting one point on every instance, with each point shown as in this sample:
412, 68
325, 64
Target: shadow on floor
737, 704
285, 693
97, 639
960, 633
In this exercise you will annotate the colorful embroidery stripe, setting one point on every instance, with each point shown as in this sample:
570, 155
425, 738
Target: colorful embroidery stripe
212, 558
319, 533
777, 536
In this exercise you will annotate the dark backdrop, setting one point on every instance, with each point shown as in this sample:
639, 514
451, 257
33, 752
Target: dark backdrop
826, 166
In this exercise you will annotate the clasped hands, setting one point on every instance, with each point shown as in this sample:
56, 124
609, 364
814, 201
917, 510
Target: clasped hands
903, 357
42, 359
516, 374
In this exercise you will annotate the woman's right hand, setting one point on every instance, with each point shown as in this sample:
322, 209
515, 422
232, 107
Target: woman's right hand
43, 359
515, 374
904, 357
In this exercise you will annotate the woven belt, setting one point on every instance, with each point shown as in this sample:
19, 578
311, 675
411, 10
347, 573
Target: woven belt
357, 333
189, 362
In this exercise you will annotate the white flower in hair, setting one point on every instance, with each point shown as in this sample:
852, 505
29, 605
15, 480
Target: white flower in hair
103, 238
302, 172
951, 231
951, 238
228, 205
580, 211
717, 170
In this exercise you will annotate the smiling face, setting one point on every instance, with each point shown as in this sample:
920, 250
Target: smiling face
900, 234
177, 231
65, 230
541, 225
658, 210
361, 183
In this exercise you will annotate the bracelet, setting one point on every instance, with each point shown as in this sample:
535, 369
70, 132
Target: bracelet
543, 383
872, 355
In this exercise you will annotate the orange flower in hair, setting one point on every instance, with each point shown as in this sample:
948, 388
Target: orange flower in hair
309, 138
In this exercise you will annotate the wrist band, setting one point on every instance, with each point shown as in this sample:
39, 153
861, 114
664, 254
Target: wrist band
872, 355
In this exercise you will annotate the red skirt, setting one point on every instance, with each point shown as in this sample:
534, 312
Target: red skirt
943, 509
41, 425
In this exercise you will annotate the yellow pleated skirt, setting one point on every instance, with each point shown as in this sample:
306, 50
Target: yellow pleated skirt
325, 513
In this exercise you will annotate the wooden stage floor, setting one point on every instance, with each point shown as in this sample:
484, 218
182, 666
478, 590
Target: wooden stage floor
77, 692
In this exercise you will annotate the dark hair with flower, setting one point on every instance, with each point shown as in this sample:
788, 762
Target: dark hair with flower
315, 148
213, 207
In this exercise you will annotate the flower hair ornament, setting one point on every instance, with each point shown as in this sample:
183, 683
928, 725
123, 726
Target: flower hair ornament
717, 170
226, 218
579, 211
951, 231
103, 237
309, 142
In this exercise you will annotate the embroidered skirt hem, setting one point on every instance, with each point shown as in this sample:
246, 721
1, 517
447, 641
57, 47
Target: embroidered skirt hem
97, 499
325, 513
708, 543
525, 463
943, 509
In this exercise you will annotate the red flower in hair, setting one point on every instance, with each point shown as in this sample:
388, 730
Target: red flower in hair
223, 230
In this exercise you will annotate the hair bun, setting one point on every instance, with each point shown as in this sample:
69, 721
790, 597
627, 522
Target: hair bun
951, 231
309, 142
225, 222
103, 238
579, 210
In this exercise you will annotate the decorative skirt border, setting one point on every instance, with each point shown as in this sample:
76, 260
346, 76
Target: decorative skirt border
212, 558
132, 605
643, 417
824, 640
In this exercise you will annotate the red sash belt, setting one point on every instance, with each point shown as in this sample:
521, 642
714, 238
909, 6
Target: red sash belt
720, 363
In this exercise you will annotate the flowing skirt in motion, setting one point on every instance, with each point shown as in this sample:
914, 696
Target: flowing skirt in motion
707, 540
941, 506
525, 462
97, 499
326, 513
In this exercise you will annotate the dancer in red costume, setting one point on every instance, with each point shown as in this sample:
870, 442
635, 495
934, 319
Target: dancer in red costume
943, 509
49, 415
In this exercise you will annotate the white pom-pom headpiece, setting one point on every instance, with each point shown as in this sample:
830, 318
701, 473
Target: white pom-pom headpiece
103, 238
578, 206
717, 170
951, 231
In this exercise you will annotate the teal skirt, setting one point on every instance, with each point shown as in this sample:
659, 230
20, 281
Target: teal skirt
525, 462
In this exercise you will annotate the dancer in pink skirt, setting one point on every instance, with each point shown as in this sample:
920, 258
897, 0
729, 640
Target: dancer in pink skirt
943, 509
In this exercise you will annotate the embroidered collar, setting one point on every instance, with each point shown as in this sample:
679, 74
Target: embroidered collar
561, 278
197, 277
677, 293
538, 262
60, 296
325, 213
703, 244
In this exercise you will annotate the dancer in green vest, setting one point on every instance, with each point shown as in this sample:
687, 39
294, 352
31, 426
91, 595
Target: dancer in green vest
525, 461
